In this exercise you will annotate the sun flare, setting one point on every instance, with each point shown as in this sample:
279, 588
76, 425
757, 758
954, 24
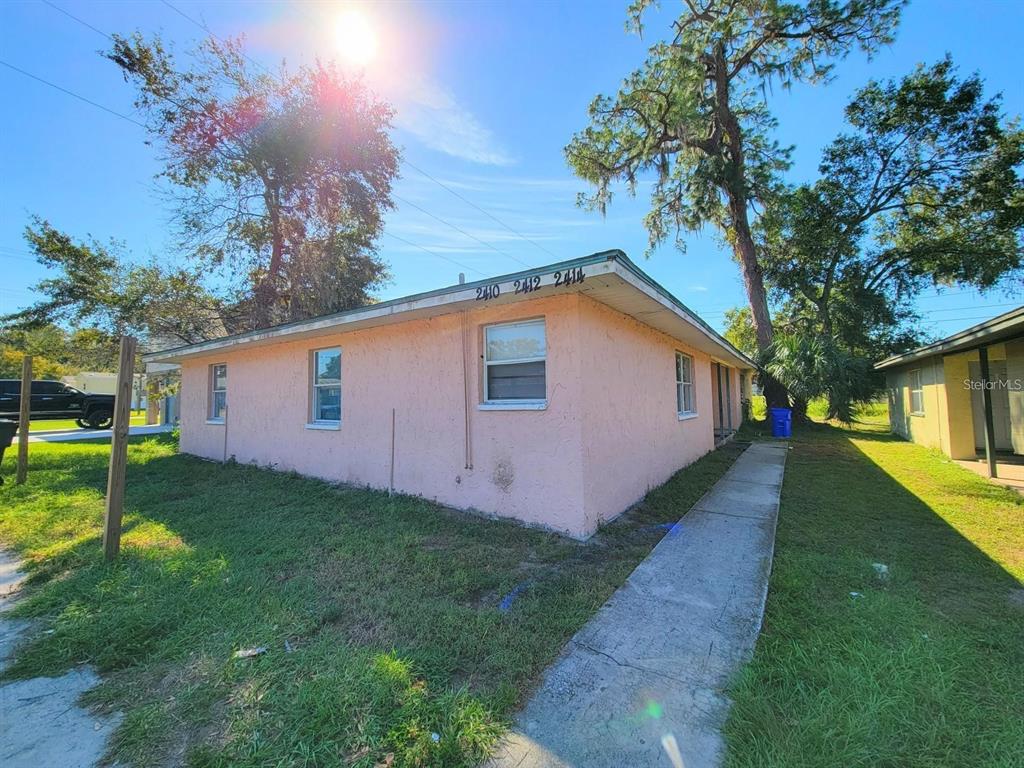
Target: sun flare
355, 37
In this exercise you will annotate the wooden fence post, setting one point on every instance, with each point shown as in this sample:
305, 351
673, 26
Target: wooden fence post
119, 449
23, 419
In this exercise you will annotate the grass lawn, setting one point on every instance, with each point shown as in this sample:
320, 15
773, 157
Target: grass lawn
47, 425
923, 668
380, 616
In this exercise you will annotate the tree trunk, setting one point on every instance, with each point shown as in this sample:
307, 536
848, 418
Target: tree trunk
735, 189
799, 409
753, 278
265, 294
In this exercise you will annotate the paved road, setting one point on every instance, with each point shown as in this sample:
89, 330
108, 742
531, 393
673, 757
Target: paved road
69, 435
655, 660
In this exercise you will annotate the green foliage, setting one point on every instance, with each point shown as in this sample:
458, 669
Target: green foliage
696, 117
282, 178
42, 368
93, 285
739, 331
695, 120
388, 604
81, 349
925, 189
923, 668
812, 366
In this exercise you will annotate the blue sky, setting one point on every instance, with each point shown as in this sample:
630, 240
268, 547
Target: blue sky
487, 96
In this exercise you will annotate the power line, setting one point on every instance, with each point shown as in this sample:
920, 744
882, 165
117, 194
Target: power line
448, 189
458, 229
960, 319
72, 94
15, 256
432, 253
184, 15
209, 32
202, 25
976, 306
474, 205
72, 16
136, 122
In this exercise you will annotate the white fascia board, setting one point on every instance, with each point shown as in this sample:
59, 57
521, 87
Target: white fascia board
564, 277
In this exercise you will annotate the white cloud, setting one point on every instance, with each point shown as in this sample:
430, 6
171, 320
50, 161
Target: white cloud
431, 113
697, 288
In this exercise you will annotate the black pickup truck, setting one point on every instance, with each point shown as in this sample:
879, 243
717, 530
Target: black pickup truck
56, 400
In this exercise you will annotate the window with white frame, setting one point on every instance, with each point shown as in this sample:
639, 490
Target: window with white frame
515, 356
326, 396
218, 391
916, 393
684, 385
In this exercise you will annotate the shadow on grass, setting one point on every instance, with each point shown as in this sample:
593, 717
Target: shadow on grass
920, 665
377, 617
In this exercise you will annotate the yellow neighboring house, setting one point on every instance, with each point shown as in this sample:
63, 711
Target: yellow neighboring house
964, 394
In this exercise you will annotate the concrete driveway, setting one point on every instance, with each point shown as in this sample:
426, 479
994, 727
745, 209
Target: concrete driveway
651, 668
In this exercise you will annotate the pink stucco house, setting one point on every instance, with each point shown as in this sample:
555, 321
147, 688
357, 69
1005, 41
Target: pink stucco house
557, 396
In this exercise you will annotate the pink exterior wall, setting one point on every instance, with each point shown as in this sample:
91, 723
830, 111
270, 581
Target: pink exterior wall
633, 438
609, 433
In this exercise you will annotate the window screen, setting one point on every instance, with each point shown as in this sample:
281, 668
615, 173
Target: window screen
515, 357
916, 393
684, 384
327, 385
218, 391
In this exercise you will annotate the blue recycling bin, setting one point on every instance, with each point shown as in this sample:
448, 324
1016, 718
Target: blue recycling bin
782, 421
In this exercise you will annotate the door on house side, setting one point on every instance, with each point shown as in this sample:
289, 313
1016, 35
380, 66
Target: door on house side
1000, 406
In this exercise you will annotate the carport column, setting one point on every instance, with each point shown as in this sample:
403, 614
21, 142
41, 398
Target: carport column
986, 399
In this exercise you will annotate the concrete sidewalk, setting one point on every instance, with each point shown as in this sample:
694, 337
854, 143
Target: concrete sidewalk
41, 723
655, 660
70, 435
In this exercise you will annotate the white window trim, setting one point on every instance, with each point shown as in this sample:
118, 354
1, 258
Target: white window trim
330, 426
314, 423
524, 404
514, 405
692, 413
210, 419
911, 390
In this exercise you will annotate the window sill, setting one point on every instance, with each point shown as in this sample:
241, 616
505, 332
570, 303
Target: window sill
513, 405
330, 426
687, 416
919, 414
216, 422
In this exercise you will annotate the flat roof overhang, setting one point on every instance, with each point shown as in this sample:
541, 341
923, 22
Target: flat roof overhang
1004, 327
608, 277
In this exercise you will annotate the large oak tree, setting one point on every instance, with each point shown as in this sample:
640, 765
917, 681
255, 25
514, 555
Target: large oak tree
281, 177
696, 116
924, 188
